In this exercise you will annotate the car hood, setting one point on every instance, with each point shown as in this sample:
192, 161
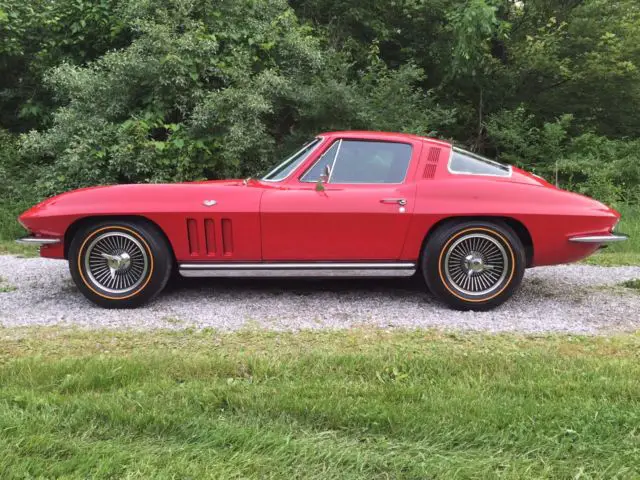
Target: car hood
103, 199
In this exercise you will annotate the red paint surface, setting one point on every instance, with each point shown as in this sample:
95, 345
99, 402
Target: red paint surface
290, 220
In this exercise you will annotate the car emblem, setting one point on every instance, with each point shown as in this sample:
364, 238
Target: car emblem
209, 203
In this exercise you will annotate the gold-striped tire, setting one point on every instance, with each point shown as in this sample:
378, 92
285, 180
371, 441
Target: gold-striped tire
473, 265
120, 263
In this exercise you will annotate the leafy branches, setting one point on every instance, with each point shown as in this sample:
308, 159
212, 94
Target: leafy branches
115, 91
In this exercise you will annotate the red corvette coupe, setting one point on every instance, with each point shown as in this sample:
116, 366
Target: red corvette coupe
346, 204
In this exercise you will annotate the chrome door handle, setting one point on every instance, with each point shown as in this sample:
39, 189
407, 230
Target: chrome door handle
399, 201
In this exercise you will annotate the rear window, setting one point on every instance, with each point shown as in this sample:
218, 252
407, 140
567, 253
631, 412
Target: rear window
472, 164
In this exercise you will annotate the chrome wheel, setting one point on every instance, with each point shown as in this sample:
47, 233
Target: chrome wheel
116, 262
476, 264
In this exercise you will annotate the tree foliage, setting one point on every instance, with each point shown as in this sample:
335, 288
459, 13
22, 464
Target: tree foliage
110, 91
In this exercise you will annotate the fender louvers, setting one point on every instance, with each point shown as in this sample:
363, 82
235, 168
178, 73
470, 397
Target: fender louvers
192, 235
210, 237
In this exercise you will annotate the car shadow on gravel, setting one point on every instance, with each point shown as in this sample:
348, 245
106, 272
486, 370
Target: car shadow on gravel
412, 289
300, 286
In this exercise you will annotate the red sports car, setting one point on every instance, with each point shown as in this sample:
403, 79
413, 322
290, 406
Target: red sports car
346, 204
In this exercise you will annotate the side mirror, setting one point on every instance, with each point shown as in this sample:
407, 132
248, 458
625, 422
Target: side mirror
324, 178
326, 174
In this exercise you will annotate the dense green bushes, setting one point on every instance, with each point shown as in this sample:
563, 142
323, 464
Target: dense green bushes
17, 191
137, 91
606, 168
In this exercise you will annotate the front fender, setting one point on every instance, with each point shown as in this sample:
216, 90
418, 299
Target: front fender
169, 206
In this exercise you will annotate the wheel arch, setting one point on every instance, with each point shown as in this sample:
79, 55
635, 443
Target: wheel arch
84, 221
516, 225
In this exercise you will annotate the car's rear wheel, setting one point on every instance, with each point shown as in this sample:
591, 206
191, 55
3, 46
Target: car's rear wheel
120, 263
473, 265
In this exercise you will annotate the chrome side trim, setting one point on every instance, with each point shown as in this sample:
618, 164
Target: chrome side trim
38, 241
599, 239
257, 270
298, 273
294, 265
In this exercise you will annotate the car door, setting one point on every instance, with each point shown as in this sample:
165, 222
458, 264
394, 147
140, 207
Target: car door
360, 213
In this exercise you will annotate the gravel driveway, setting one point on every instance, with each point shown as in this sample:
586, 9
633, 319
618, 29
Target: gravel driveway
569, 298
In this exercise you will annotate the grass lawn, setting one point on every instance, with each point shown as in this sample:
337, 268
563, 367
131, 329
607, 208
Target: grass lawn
10, 247
357, 404
624, 253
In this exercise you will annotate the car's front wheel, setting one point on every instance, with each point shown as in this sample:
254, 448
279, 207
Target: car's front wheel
473, 265
120, 264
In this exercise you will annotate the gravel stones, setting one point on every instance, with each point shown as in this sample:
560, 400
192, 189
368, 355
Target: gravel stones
568, 298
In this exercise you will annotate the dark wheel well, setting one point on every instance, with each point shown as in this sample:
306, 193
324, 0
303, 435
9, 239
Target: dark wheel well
78, 224
517, 226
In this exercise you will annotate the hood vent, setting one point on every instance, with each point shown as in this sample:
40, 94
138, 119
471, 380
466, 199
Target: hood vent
432, 162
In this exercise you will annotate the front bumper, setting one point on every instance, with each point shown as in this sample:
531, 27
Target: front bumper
599, 239
38, 241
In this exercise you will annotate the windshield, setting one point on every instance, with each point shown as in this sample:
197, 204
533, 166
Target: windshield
283, 170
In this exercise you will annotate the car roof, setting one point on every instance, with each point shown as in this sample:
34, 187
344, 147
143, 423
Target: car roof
373, 135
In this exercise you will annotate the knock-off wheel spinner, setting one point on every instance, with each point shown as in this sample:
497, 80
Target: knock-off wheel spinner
476, 264
116, 262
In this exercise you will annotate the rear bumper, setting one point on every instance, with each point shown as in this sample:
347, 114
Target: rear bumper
38, 241
599, 239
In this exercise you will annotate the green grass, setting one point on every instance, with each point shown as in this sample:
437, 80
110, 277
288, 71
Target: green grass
9, 226
358, 404
10, 229
624, 253
10, 247
634, 284
5, 286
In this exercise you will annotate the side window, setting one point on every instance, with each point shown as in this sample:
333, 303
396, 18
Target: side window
283, 170
358, 161
371, 162
313, 174
471, 164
